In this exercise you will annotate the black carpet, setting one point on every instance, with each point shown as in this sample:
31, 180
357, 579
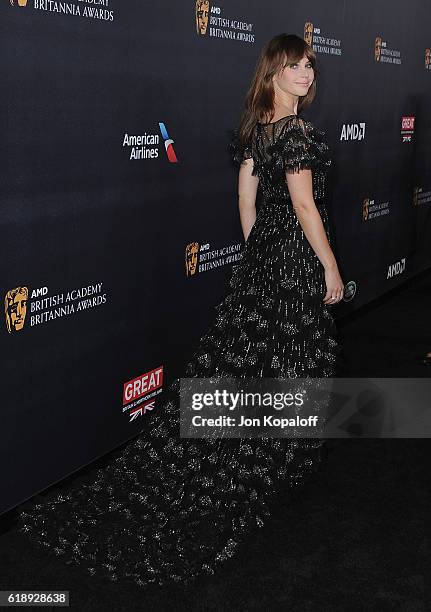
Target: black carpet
355, 536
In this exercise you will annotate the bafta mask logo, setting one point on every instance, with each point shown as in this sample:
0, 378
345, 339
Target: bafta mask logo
20, 2
308, 33
192, 251
15, 304
202, 10
377, 48
365, 205
428, 59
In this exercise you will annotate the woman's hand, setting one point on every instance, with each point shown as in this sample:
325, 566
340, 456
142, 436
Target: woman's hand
334, 286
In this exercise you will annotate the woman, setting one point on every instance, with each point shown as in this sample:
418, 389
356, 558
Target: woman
167, 508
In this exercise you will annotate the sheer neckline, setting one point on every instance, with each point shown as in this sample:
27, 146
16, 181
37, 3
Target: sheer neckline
273, 122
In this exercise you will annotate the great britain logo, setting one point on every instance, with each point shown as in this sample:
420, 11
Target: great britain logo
139, 394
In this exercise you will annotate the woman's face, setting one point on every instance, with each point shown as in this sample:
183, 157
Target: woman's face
296, 78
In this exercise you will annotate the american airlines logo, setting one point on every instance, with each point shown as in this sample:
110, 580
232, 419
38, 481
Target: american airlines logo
353, 131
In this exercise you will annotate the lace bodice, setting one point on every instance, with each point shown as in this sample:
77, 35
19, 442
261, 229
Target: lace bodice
287, 145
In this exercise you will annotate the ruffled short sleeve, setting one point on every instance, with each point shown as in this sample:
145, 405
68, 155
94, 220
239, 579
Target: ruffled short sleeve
300, 146
239, 152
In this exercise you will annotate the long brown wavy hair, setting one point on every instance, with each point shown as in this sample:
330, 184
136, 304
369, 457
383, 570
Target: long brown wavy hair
279, 52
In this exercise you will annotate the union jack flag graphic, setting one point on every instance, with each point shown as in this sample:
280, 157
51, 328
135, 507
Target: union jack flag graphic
140, 410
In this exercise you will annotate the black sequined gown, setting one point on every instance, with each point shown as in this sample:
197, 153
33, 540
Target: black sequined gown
167, 508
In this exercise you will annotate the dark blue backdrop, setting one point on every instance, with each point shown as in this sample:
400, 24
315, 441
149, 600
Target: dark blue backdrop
115, 121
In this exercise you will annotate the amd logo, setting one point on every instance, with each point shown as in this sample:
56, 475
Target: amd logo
396, 268
39, 292
353, 131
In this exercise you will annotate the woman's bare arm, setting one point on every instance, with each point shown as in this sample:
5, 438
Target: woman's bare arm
301, 193
247, 191
300, 187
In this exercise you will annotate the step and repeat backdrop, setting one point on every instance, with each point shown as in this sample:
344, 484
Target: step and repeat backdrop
119, 218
